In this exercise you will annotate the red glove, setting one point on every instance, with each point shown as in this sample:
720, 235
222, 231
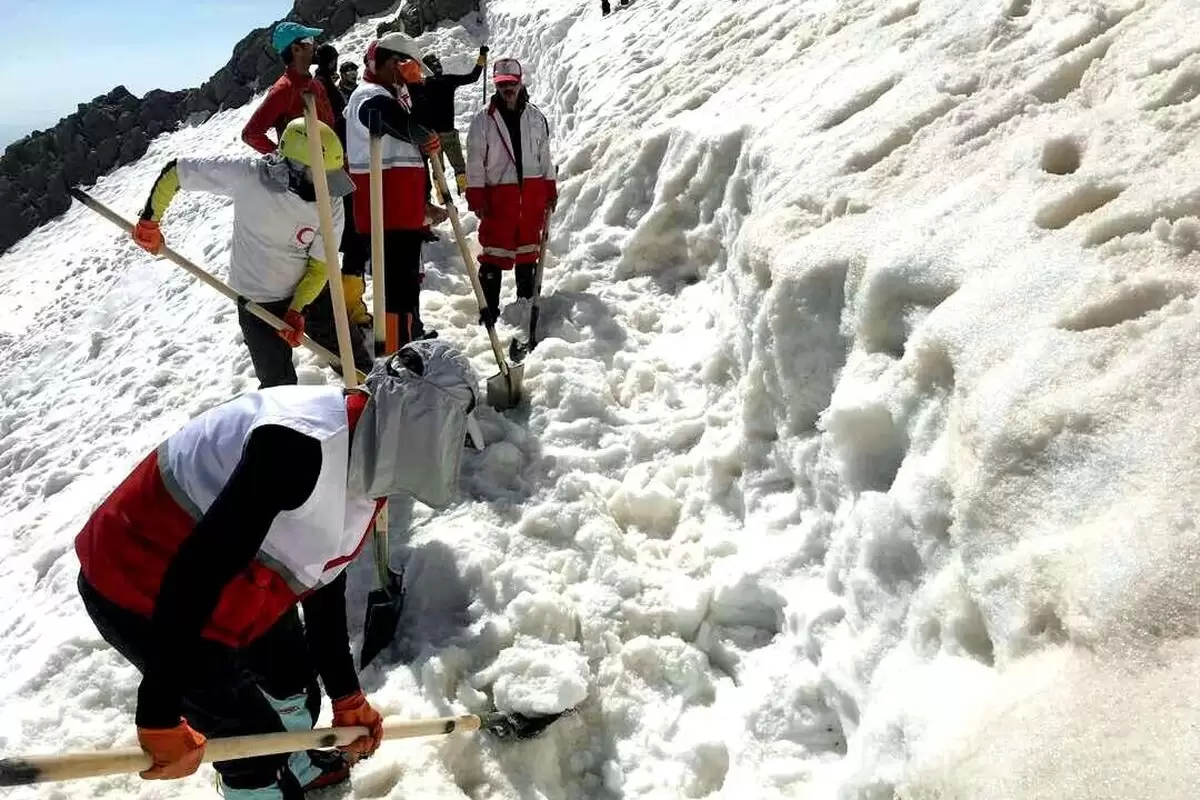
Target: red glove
176, 752
476, 200
296, 320
432, 145
355, 710
148, 236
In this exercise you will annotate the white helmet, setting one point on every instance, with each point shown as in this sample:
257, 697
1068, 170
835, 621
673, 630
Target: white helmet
399, 43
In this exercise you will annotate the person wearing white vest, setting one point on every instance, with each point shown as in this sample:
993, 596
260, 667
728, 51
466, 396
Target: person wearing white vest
193, 568
277, 253
511, 183
381, 106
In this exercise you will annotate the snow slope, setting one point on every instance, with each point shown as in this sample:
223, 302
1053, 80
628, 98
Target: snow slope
860, 455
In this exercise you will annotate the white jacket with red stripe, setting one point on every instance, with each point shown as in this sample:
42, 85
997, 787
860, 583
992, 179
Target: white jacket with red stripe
490, 153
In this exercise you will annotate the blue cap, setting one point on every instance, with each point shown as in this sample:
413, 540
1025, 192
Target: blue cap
288, 33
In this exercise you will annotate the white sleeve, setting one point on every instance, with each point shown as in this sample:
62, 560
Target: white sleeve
316, 250
547, 157
476, 150
216, 174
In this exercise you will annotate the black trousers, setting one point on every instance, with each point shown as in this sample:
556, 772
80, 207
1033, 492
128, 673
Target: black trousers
489, 281
402, 279
320, 326
270, 354
356, 249
224, 688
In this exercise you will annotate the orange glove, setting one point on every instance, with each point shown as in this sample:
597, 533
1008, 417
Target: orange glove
431, 145
176, 752
148, 236
355, 710
296, 320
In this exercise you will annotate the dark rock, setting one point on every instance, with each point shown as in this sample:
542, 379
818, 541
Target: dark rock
133, 146
116, 128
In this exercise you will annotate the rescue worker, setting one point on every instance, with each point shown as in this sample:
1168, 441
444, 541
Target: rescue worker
277, 255
511, 185
354, 249
195, 565
285, 99
381, 106
439, 110
349, 79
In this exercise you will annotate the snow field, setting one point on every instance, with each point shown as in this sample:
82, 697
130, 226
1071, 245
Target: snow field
860, 449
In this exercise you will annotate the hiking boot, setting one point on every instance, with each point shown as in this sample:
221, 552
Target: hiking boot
331, 767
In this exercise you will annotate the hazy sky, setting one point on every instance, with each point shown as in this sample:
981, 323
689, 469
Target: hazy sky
59, 53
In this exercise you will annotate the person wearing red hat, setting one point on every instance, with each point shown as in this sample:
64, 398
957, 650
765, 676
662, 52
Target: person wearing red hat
381, 106
285, 99
511, 183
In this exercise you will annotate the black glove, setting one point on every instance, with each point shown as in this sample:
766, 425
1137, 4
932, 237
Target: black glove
483, 50
488, 315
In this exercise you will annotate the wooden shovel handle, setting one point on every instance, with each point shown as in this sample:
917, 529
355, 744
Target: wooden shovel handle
196, 272
22, 770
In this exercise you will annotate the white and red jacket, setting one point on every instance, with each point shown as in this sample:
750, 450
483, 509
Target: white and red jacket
404, 174
126, 546
490, 159
511, 205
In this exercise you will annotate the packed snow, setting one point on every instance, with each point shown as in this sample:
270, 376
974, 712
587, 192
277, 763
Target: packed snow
860, 455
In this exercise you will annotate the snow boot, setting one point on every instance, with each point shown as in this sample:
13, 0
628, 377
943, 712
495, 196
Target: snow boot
353, 287
605, 9
331, 767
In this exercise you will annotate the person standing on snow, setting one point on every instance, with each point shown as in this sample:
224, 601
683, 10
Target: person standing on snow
511, 182
439, 113
381, 106
349, 79
277, 254
355, 251
194, 566
285, 99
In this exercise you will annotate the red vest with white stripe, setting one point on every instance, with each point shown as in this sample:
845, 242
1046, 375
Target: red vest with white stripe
403, 167
125, 547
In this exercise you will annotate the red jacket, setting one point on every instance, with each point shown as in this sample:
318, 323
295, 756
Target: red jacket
285, 102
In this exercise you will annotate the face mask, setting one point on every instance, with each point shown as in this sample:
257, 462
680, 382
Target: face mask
411, 435
410, 72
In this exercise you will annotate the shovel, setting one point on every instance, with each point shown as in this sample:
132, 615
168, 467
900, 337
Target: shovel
384, 603
518, 350
25, 770
504, 388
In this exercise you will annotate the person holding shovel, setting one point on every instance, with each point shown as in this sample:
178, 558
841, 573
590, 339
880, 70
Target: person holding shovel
511, 185
277, 254
194, 567
381, 106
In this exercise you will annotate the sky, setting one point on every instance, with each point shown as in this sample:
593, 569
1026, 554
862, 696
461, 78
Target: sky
60, 53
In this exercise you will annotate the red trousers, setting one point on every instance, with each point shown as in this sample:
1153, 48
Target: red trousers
510, 230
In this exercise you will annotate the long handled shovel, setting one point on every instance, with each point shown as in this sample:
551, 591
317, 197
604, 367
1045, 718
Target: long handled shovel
518, 350
24, 770
222, 287
504, 388
384, 603
333, 272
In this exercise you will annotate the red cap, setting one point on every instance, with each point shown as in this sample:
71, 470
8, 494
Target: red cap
507, 70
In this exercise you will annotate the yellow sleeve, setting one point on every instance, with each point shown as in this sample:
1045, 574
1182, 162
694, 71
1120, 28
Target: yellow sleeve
162, 193
310, 285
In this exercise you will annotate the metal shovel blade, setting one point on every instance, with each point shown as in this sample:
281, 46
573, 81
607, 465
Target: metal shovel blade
519, 726
505, 391
384, 607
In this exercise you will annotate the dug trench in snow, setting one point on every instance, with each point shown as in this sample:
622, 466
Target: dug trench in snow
832, 484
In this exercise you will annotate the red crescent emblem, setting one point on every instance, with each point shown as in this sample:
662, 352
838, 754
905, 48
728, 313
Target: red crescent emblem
305, 236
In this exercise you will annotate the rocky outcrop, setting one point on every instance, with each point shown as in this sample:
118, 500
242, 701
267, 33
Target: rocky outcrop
116, 128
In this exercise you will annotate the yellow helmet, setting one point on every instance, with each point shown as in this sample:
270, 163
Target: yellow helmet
293, 144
